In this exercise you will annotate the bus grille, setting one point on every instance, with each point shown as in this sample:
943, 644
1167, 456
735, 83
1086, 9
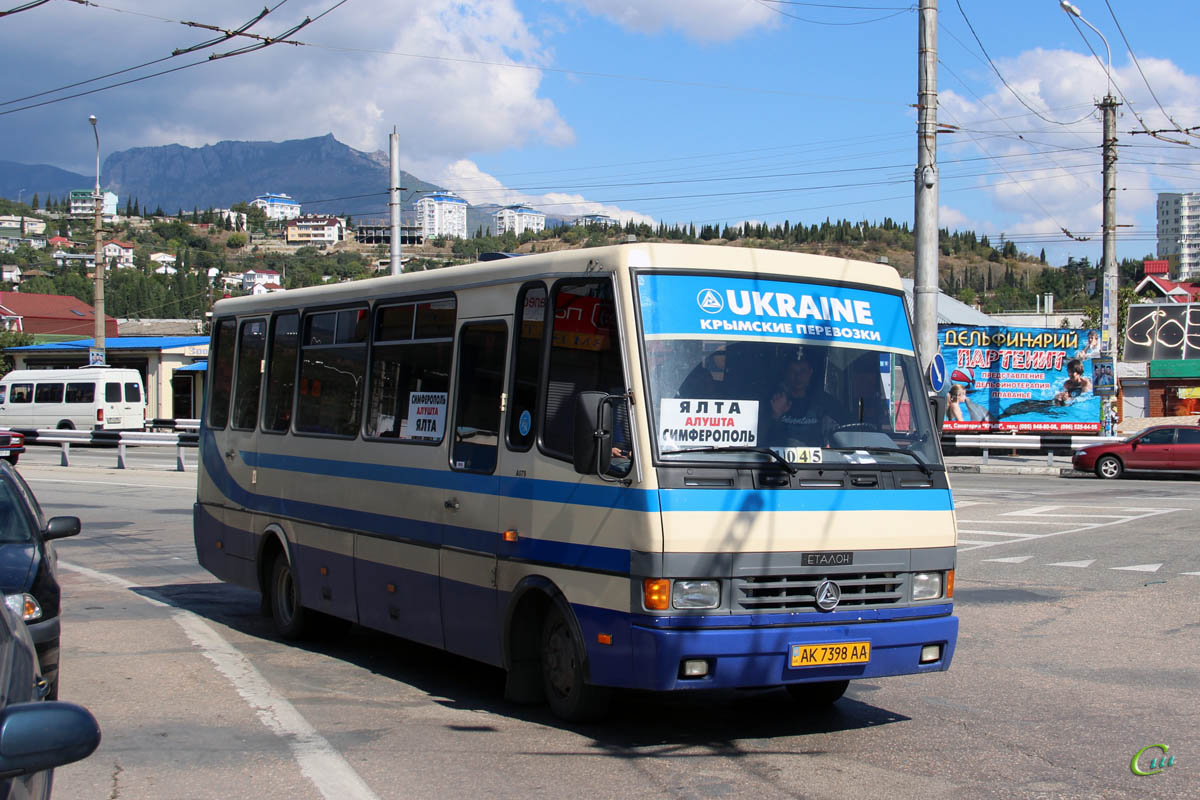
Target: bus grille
798, 592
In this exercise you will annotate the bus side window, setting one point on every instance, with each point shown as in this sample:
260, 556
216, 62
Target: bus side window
251, 348
81, 392
281, 372
332, 366
529, 333
133, 393
220, 373
21, 393
48, 393
112, 393
410, 370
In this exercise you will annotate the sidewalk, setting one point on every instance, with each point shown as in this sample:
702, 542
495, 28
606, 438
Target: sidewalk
1031, 464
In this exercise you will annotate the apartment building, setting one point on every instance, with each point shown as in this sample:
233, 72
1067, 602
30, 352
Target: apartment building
519, 219
1179, 232
83, 205
312, 229
277, 206
442, 214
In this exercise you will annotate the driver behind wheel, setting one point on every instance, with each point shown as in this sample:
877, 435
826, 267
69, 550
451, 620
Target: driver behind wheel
868, 407
798, 414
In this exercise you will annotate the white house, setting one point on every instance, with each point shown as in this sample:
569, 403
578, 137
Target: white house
519, 219
597, 219
10, 273
262, 277
277, 206
29, 225
83, 204
442, 214
315, 229
120, 252
264, 288
235, 218
163, 259
165, 269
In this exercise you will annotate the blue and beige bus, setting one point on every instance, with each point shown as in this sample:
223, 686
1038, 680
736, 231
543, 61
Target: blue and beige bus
651, 466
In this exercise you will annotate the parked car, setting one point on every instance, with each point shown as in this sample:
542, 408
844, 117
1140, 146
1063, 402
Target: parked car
1162, 448
12, 444
35, 736
29, 567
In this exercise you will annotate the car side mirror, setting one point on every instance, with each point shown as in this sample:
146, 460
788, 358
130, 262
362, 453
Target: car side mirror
43, 735
937, 407
592, 433
61, 528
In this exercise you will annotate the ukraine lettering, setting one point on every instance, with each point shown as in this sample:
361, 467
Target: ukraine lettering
777, 304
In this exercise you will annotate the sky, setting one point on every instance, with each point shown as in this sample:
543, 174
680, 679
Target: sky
681, 111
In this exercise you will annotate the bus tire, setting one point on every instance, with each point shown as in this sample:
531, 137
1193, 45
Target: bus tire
817, 696
570, 697
291, 618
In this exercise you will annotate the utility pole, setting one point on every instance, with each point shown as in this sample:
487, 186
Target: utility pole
97, 354
1109, 311
394, 200
925, 225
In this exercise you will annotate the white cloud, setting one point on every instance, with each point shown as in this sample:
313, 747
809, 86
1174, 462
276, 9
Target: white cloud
706, 20
478, 188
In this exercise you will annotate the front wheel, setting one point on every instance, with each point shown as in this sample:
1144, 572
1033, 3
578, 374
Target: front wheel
570, 697
291, 618
816, 696
1109, 467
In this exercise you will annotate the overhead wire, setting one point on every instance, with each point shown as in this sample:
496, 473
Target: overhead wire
768, 5
24, 7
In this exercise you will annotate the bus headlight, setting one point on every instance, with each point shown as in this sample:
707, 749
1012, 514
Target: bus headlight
926, 585
696, 594
25, 605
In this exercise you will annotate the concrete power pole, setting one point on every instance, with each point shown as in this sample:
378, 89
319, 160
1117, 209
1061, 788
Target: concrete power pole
394, 199
97, 354
1109, 310
925, 226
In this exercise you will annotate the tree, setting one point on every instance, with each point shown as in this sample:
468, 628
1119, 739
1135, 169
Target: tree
34, 202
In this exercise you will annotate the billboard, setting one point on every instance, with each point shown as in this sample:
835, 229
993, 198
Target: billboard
1162, 332
1022, 379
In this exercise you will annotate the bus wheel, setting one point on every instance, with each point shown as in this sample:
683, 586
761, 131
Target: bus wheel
291, 618
820, 695
569, 696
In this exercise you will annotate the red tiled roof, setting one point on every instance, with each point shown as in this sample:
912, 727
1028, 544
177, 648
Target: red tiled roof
119, 244
1156, 266
59, 240
1177, 291
54, 313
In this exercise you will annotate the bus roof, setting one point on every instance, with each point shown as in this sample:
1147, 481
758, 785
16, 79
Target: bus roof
563, 262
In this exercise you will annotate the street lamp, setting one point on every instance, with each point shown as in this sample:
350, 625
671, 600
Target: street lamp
1108, 108
97, 355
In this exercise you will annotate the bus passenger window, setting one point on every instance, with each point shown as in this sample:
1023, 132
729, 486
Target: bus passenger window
251, 347
220, 374
81, 392
333, 360
410, 371
527, 367
112, 393
480, 382
21, 393
281, 372
133, 393
48, 393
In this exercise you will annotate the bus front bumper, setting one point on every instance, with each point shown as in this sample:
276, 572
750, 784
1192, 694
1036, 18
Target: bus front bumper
746, 657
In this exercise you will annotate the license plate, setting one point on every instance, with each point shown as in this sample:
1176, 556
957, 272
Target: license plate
822, 655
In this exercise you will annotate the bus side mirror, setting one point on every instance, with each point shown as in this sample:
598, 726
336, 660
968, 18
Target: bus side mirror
937, 407
592, 433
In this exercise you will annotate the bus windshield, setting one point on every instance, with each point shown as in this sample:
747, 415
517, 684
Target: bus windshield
840, 387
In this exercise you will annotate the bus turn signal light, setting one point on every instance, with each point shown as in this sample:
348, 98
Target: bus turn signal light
604, 638
656, 594
510, 536
949, 583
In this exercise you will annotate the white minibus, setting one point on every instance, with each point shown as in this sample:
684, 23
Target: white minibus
84, 398
650, 466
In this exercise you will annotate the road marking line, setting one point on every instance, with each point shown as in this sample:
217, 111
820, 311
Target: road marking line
1011, 559
1080, 564
34, 479
1077, 529
1010, 534
1141, 568
331, 774
1189, 573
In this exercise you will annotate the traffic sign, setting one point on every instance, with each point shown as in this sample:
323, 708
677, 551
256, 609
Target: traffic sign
937, 373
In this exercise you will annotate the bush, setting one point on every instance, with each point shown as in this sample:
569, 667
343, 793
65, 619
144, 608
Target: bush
236, 241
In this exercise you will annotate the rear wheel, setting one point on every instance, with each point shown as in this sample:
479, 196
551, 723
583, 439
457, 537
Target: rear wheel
570, 697
65, 425
817, 696
1109, 467
291, 618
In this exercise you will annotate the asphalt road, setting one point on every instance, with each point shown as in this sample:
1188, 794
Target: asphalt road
1078, 646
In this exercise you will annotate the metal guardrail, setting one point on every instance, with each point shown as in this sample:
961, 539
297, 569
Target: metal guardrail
1047, 442
185, 436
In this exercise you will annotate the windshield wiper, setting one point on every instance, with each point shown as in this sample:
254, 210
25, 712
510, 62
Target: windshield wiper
760, 450
902, 450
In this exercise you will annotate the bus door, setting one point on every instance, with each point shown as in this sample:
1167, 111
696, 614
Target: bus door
471, 538
240, 439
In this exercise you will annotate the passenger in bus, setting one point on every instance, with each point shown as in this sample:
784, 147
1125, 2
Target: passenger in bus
867, 404
797, 413
706, 381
